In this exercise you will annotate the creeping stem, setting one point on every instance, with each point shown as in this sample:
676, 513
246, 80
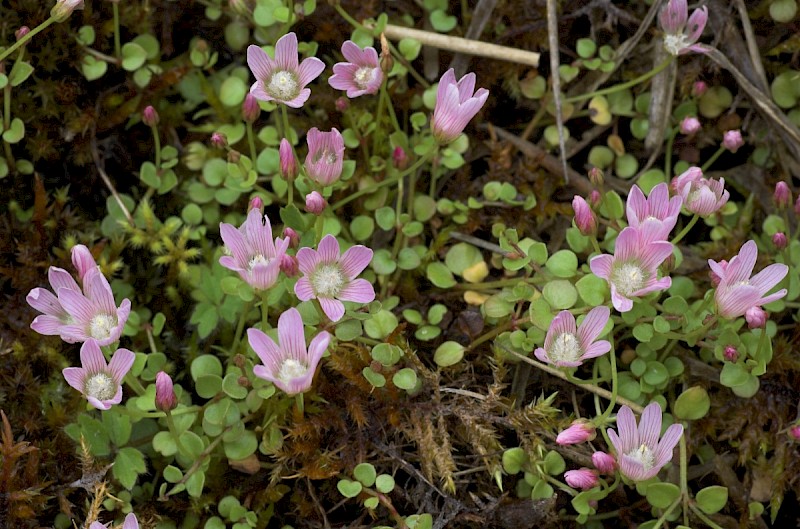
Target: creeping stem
622, 86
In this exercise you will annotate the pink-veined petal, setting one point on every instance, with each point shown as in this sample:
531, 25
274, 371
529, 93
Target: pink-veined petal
593, 324
310, 69
120, 364
355, 260
266, 349
303, 289
333, 309
628, 432
650, 425
328, 249
358, 290
286, 53
291, 335
75, 377
260, 63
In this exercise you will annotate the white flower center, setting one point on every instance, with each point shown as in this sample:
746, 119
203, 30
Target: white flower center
101, 386
628, 278
675, 43
565, 348
283, 85
328, 280
643, 455
101, 326
291, 369
363, 76
259, 260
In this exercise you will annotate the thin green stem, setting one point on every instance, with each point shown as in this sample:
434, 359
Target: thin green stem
684, 481
172, 429
300, 402
134, 384
666, 513
668, 153
158, 414
614, 386
240, 326
706, 520
264, 310
251, 142
117, 43
157, 142
21, 42
686, 229
622, 86
390, 107
377, 135
713, 159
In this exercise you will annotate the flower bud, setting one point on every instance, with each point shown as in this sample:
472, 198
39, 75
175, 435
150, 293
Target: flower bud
64, 8
219, 140
21, 32
82, 260
797, 207
150, 116
604, 462
387, 63
165, 394
731, 354
584, 216
779, 240
288, 162
579, 432
315, 203
794, 432
250, 109
294, 238
583, 479
756, 317
732, 140
699, 88
782, 195
690, 125
256, 203
596, 177
399, 158
289, 265
595, 198
234, 156
342, 104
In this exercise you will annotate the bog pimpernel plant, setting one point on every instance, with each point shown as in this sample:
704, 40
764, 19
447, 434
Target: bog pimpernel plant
320, 278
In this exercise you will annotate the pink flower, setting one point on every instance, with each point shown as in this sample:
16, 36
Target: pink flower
737, 291
657, 209
603, 462
680, 36
99, 382
288, 364
330, 277
254, 256
782, 195
690, 125
640, 453
455, 105
584, 216
732, 140
632, 271
361, 74
325, 156
54, 317
166, 400
701, 196
282, 79
567, 345
130, 523
287, 160
578, 432
583, 479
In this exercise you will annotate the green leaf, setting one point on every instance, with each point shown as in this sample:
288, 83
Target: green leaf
563, 263
292, 217
384, 483
554, 464
195, 483
712, 499
449, 353
19, 73
365, 473
692, 404
438, 274
405, 379
441, 21
15, 132
514, 459
381, 325
462, 256
592, 289
164, 444
242, 446
232, 91
231, 386
133, 56
148, 174
661, 495
205, 365
385, 218
560, 294
128, 464
349, 489
86, 35
376, 379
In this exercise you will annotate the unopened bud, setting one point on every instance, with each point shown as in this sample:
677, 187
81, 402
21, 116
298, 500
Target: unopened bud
595, 198
579, 431
239, 360
165, 393
756, 317
21, 32
399, 158
732, 140
315, 203
243, 381
342, 104
604, 462
596, 177
794, 432
256, 203
583, 479
219, 140
150, 116
779, 240
250, 109
690, 125
288, 162
289, 265
584, 216
386, 56
294, 238
699, 88
730, 353
234, 156
782, 195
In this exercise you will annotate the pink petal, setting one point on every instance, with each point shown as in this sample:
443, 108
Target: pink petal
620, 302
672, 436
300, 100
75, 377
130, 522
236, 243
45, 302
770, 276
355, 260
628, 433
650, 425
601, 265
102, 405
120, 364
741, 266
258, 231
47, 325
328, 249
98, 292
563, 323
303, 289
351, 51
286, 53
598, 348
92, 358
333, 309
593, 324
260, 64
466, 87
636, 206
696, 24
316, 349
310, 69
616, 442
308, 260
359, 291
76, 305
257, 91
267, 350
291, 335
541, 354
772, 297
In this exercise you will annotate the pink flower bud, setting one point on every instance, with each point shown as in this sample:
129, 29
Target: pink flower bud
82, 260
342, 104
315, 203
288, 162
294, 238
756, 317
690, 125
596, 177
794, 432
699, 88
732, 140
289, 265
604, 462
584, 216
150, 116
165, 394
250, 109
797, 207
730, 353
21, 32
595, 198
782, 195
219, 140
583, 479
579, 432
779, 240
256, 203
399, 158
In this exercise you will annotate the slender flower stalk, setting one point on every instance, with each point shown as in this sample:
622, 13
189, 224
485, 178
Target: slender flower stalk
568, 345
99, 382
641, 451
361, 74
